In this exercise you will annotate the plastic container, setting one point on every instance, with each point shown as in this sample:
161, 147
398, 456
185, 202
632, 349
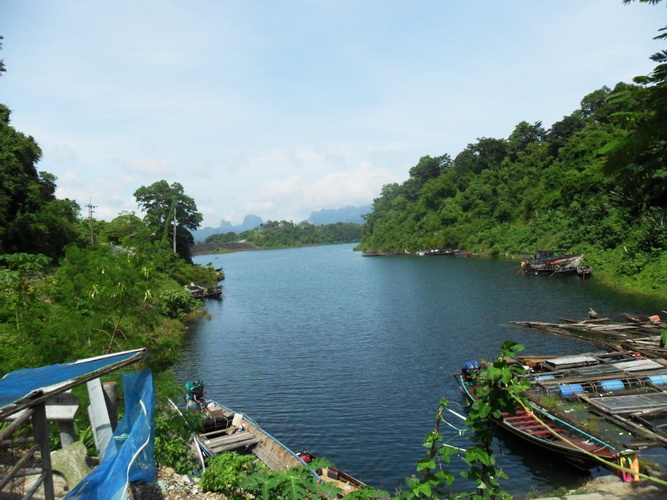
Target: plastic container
544, 377
611, 385
657, 379
570, 389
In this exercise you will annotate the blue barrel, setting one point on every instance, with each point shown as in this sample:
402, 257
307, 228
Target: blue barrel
612, 385
657, 379
570, 390
544, 377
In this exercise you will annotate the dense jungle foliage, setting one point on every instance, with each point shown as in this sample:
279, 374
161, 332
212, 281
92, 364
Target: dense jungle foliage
284, 234
73, 288
594, 183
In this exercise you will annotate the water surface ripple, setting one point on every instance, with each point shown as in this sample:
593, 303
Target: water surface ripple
347, 356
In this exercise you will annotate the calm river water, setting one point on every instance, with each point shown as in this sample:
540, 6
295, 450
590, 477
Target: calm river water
347, 356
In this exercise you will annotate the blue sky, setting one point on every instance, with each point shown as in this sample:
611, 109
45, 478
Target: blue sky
278, 108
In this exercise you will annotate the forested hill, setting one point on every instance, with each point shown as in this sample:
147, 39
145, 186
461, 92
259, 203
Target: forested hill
286, 234
594, 182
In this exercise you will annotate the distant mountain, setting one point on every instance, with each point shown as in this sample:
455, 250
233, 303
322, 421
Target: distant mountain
318, 218
333, 215
249, 222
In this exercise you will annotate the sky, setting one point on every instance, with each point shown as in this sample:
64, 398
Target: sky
278, 108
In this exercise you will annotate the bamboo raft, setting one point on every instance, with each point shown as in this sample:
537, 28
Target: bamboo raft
643, 337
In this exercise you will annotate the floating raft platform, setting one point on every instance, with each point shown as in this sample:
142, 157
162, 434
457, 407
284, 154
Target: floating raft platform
626, 389
643, 337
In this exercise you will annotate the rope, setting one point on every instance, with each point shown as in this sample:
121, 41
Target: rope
625, 472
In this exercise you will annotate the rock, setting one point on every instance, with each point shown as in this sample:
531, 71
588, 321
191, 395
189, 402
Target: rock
70, 462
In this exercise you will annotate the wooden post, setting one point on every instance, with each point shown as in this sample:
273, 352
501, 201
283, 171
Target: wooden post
42, 439
111, 399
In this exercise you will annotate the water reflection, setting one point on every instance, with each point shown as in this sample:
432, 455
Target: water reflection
348, 356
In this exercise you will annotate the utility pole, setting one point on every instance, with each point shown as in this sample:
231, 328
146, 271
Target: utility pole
174, 229
90, 219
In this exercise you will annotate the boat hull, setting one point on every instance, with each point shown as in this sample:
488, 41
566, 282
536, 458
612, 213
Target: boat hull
553, 265
227, 430
551, 434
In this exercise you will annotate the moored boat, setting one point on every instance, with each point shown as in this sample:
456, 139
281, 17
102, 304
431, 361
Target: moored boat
551, 263
227, 430
204, 291
544, 430
637, 318
332, 474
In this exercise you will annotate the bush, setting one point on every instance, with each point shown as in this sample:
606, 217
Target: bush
172, 435
225, 471
176, 304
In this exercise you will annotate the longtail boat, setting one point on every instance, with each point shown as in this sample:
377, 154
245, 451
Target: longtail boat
227, 430
549, 262
542, 429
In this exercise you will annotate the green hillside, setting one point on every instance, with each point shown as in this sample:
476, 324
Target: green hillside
593, 183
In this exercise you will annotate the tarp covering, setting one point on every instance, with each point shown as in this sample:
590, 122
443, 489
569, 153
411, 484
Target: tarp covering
129, 456
16, 385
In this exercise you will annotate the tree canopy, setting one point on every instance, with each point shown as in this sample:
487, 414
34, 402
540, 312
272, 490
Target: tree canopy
163, 203
32, 220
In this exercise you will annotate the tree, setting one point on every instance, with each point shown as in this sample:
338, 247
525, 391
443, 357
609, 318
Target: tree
163, 203
637, 157
32, 220
124, 226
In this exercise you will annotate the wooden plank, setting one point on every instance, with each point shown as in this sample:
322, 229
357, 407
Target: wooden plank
572, 361
544, 432
231, 442
535, 425
236, 446
638, 365
209, 435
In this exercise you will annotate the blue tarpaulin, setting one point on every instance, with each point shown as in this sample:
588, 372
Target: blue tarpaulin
129, 456
20, 384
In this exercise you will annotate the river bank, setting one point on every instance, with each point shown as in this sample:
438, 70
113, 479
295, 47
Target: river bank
220, 248
173, 486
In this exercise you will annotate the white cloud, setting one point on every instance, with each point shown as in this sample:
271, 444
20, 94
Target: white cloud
295, 198
279, 109
150, 167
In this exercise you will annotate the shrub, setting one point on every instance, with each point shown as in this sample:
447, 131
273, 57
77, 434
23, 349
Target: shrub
176, 304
